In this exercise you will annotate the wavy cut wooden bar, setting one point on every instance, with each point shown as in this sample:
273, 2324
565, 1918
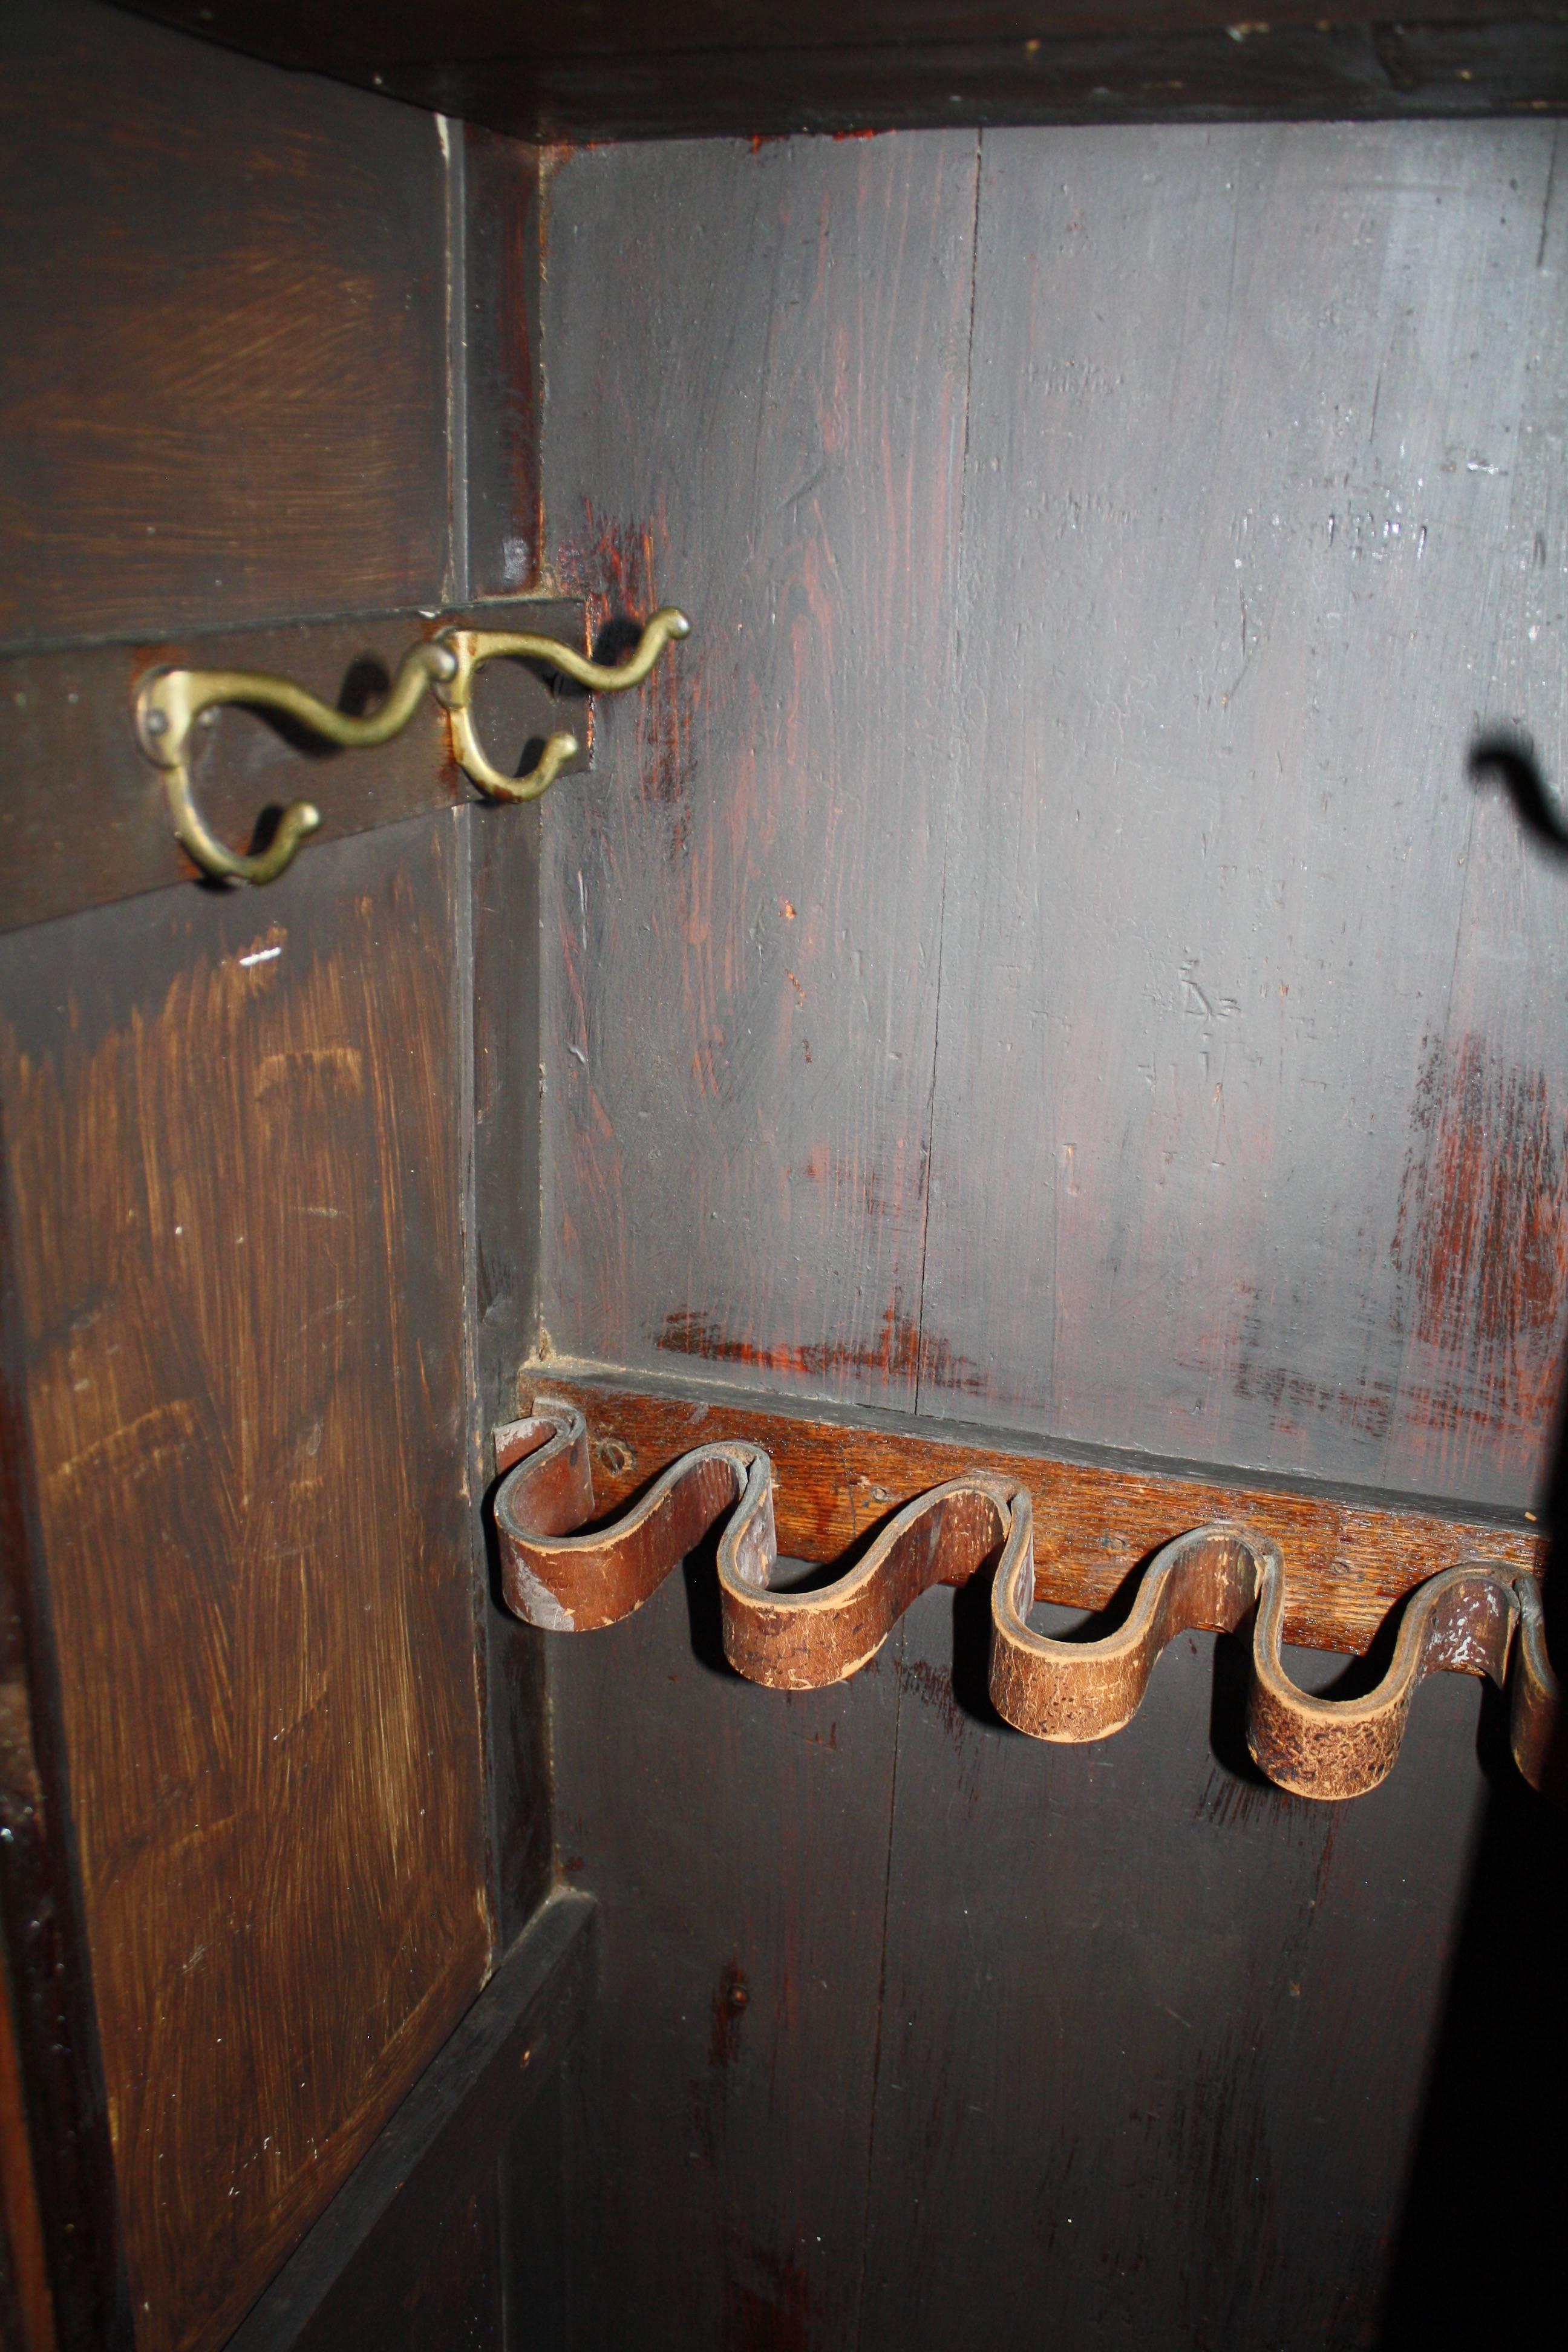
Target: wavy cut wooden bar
567, 1571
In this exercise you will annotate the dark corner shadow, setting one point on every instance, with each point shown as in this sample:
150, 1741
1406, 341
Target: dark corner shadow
1490, 2148
616, 638
704, 1605
1499, 757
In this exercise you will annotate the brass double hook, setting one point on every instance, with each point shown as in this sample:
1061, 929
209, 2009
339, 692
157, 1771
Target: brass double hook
170, 701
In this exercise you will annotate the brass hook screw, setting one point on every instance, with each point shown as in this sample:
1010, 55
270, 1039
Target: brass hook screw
170, 702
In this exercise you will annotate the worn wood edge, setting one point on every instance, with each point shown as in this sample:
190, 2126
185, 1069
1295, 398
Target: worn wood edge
1349, 1552
44, 1973
1342, 68
463, 2104
83, 817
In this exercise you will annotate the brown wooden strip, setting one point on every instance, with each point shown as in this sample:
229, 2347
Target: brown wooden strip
1347, 1559
739, 996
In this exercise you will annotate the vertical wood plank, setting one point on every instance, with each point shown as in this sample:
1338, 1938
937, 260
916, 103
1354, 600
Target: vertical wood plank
1260, 531
1480, 1246
1174, 2022
739, 1857
756, 409
234, 1178
1247, 1127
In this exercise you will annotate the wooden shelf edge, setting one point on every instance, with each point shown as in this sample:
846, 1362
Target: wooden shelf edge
1349, 1554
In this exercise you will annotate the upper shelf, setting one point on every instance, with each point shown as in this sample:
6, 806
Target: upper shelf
620, 69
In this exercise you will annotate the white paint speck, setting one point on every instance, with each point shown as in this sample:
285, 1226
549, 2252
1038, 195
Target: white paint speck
260, 955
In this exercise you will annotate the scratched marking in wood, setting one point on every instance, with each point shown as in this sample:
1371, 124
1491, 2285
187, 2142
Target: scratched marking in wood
233, 1129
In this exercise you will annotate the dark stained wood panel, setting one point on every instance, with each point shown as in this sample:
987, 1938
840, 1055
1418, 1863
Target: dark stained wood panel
739, 1857
1259, 517
1148, 2041
83, 815
27, 2300
1177, 2023
412, 2250
756, 410
223, 396
1242, 977
621, 70
235, 1191
1349, 1555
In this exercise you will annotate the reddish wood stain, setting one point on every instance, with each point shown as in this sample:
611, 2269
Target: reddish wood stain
615, 566
771, 2315
1480, 1244
896, 1356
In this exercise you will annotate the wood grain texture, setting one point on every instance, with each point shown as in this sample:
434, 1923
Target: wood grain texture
740, 915
738, 1854
624, 71
83, 817
223, 396
1347, 1557
1234, 959
411, 2251
233, 1175
1244, 1113
1175, 2022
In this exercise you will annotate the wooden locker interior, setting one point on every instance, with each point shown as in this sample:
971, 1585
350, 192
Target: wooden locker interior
1056, 979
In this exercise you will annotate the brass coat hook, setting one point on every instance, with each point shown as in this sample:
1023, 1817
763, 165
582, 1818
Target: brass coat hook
169, 703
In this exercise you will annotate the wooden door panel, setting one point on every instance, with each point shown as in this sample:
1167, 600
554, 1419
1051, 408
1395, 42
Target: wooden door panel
234, 1157
738, 1854
436, 2238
